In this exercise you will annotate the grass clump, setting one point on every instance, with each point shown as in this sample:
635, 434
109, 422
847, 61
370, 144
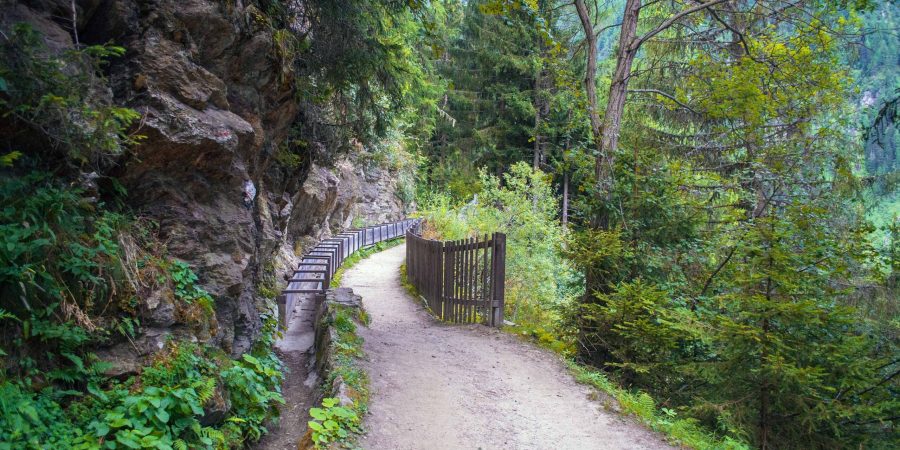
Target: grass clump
682, 431
337, 422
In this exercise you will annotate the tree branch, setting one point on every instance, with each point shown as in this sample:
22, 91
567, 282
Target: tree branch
671, 20
666, 95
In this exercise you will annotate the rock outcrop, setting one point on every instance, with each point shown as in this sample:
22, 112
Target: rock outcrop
215, 104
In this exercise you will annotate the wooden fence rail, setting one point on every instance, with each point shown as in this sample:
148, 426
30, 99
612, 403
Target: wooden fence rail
317, 266
461, 281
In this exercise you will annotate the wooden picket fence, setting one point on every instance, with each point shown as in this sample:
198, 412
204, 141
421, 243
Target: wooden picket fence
461, 281
317, 266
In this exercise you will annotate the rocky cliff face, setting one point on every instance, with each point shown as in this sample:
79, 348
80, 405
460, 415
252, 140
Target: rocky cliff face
216, 104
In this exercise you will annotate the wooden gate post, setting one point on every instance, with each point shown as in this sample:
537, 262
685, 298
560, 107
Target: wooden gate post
438, 289
498, 269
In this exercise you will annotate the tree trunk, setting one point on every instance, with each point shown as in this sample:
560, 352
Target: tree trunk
538, 108
618, 90
590, 72
565, 200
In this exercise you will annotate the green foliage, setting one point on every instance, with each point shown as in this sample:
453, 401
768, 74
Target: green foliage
185, 281
254, 387
32, 420
162, 408
683, 431
643, 331
54, 96
156, 417
501, 103
358, 76
332, 423
7, 159
53, 241
60, 264
538, 279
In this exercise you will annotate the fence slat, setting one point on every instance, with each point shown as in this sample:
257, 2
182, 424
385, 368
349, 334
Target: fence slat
470, 295
462, 280
486, 308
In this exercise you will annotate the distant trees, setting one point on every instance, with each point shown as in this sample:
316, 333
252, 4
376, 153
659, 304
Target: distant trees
715, 215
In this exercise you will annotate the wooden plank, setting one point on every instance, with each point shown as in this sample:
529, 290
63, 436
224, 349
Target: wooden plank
499, 272
435, 274
474, 278
451, 284
439, 259
440, 305
471, 278
484, 282
460, 262
463, 281
451, 292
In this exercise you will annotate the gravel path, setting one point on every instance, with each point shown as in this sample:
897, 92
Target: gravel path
437, 386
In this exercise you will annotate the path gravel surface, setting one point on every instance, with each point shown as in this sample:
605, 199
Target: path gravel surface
438, 386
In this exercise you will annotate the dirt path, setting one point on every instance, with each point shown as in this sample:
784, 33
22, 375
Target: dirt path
437, 386
295, 350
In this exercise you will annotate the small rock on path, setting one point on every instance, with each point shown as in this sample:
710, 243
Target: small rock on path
438, 386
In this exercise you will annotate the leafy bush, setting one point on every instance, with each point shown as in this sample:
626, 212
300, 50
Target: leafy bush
522, 205
162, 408
254, 386
332, 423
59, 265
32, 420
55, 96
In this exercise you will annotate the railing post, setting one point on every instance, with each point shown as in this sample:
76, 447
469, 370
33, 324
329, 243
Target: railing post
281, 300
498, 270
326, 277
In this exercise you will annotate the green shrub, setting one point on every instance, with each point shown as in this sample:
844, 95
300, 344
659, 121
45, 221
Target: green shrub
32, 420
522, 205
332, 423
55, 96
683, 431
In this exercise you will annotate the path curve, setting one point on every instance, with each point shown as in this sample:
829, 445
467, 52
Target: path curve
439, 386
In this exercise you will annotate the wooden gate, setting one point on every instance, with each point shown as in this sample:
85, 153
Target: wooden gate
461, 281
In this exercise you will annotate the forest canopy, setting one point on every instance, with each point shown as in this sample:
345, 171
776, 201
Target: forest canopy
726, 177
700, 199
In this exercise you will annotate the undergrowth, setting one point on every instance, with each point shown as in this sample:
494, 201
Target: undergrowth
683, 431
167, 406
74, 273
334, 422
